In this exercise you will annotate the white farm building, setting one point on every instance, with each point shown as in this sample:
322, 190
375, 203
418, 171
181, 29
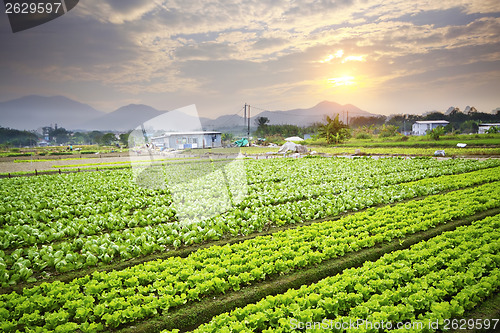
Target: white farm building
483, 128
421, 127
184, 140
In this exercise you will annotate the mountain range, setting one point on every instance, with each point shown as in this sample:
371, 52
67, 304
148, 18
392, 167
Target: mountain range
32, 112
299, 117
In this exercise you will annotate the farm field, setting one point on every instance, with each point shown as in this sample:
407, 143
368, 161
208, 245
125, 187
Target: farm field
450, 141
412, 151
96, 252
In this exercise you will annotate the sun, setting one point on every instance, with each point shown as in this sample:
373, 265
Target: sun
342, 81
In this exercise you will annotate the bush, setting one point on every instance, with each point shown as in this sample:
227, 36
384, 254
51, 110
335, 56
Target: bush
388, 131
315, 141
493, 130
436, 132
404, 138
363, 136
276, 138
334, 131
60, 153
18, 155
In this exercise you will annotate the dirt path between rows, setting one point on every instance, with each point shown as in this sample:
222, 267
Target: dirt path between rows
49, 165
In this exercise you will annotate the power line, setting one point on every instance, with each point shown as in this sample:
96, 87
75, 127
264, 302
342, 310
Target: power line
307, 115
230, 117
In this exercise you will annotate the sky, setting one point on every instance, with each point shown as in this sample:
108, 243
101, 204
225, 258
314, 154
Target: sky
385, 57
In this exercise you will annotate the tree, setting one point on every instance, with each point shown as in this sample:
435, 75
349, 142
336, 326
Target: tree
334, 131
225, 137
493, 130
367, 121
124, 138
59, 135
95, 136
388, 131
262, 127
261, 121
16, 138
435, 133
107, 139
79, 138
435, 116
470, 126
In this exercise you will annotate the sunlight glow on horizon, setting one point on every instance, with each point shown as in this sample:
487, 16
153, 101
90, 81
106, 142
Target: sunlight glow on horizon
353, 58
330, 57
342, 81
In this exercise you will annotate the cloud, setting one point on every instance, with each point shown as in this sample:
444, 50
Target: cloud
217, 48
117, 11
269, 43
205, 51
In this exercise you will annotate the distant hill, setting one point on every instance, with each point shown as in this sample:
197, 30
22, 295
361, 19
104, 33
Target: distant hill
124, 118
32, 112
299, 117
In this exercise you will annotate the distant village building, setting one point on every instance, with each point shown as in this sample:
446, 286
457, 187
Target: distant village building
184, 140
46, 132
483, 128
421, 127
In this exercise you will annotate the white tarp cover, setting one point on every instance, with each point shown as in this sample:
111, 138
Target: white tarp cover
293, 147
294, 138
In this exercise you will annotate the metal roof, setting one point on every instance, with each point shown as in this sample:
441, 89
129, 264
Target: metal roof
432, 122
186, 133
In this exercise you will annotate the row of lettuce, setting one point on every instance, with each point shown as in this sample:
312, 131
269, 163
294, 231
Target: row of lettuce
41, 202
26, 263
105, 300
426, 288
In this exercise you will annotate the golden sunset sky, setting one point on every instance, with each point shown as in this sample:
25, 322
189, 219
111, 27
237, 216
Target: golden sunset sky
383, 56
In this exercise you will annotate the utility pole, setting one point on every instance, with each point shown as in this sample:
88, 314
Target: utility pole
404, 124
347, 123
245, 115
248, 130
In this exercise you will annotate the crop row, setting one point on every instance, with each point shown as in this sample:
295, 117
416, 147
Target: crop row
44, 222
450, 151
314, 180
115, 192
109, 299
76, 253
306, 171
412, 290
326, 178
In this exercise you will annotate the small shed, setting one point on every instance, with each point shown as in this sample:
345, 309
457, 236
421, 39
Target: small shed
185, 140
421, 127
483, 128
